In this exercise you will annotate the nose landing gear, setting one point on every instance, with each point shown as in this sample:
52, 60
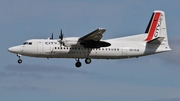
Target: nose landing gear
19, 60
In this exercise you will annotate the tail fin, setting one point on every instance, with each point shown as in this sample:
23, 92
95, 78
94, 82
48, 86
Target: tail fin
157, 26
156, 29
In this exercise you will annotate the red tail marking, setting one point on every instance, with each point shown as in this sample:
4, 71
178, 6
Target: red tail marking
153, 26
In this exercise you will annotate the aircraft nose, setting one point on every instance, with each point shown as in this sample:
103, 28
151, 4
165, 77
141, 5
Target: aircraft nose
15, 49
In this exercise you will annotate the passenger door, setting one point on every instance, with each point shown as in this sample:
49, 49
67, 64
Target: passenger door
40, 47
124, 51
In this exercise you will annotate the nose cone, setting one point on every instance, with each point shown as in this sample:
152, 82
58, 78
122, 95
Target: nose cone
15, 49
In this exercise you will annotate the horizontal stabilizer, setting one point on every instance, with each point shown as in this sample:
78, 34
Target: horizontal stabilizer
156, 40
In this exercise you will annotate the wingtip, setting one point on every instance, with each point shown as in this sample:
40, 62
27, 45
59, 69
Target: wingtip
101, 29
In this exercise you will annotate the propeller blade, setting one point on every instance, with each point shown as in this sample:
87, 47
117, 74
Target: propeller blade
52, 36
61, 35
61, 38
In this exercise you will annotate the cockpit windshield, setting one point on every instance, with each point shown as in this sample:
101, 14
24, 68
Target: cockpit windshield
27, 43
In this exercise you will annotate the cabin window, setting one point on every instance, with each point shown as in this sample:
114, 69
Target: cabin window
55, 47
130, 49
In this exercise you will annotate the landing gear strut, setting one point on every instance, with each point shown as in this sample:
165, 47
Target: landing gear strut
19, 60
78, 63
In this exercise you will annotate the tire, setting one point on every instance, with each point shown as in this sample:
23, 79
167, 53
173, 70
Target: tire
19, 61
87, 60
78, 64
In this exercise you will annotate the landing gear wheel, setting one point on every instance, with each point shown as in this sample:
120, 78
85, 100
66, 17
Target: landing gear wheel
78, 64
87, 60
19, 61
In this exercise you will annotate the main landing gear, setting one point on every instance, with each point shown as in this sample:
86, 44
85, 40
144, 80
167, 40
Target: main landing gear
78, 63
87, 60
19, 60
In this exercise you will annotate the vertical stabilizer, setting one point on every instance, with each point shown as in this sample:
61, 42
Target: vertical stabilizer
156, 24
156, 30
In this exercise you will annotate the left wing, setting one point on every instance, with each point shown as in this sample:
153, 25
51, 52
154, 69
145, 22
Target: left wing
92, 40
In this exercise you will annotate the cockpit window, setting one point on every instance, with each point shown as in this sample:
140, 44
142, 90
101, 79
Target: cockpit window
27, 43
30, 43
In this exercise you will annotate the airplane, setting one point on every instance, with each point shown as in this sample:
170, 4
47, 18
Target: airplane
91, 46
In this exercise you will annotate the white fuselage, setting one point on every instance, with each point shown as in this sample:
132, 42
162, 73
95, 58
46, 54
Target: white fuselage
125, 47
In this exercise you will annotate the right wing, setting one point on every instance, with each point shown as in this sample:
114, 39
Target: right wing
95, 35
92, 40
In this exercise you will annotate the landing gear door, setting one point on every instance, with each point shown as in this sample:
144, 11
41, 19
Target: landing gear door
124, 51
40, 48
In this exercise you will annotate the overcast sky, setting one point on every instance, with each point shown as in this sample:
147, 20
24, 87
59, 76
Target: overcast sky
150, 78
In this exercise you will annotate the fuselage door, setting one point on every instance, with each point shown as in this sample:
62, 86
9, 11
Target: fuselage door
124, 51
40, 48
51, 46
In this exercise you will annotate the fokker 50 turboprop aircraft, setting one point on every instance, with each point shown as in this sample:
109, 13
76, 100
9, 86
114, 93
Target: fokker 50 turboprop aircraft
91, 46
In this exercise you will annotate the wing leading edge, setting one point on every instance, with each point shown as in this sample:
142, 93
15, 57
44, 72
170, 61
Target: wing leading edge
92, 40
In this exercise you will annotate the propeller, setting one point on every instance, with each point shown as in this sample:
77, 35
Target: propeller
61, 37
51, 36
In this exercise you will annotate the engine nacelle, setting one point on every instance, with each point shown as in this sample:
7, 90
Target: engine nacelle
68, 42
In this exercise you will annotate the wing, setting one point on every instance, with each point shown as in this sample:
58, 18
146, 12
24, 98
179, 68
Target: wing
95, 35
92, 40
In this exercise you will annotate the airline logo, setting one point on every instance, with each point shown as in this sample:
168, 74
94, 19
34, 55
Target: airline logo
155, 26
51, 43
